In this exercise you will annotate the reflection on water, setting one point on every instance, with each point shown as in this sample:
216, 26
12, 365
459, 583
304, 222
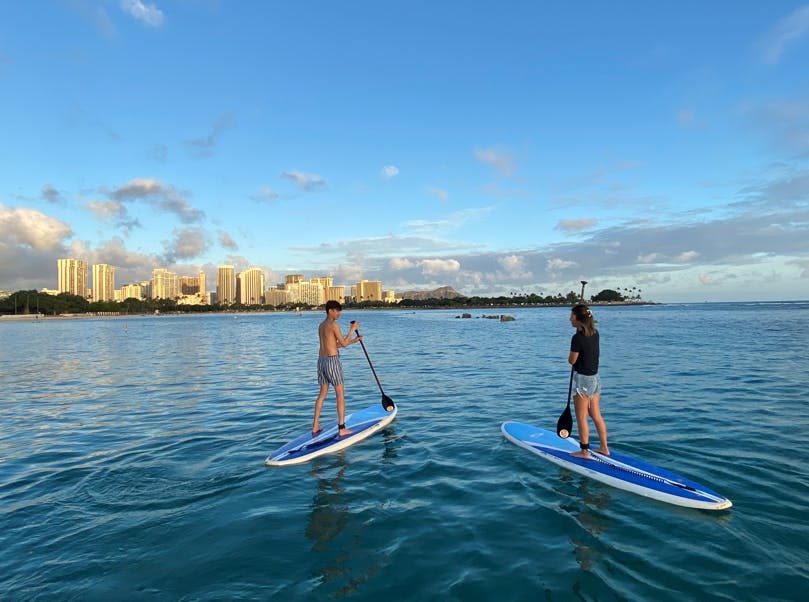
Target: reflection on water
340, 518
329, 510
588, 507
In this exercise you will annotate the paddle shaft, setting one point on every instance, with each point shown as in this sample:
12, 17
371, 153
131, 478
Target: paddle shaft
570, 388
369, 362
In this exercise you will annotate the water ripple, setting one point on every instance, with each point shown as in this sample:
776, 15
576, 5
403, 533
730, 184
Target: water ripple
132, 469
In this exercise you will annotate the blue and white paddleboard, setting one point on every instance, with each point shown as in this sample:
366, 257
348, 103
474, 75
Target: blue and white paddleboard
363, 423
618, 470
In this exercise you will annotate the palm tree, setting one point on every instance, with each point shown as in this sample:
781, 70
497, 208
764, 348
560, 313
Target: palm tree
583, 283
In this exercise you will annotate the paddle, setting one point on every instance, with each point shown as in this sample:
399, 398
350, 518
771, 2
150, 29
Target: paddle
387, 402
565, 423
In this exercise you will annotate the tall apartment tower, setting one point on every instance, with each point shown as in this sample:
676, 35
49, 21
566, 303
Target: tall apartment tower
72, 276
325, 281
103, 282
225, 285
251, 287
165, 284
368, 290
293, 278
336, 293
202, 284
189, 285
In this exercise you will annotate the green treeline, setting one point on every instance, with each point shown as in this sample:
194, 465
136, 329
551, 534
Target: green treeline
32, 302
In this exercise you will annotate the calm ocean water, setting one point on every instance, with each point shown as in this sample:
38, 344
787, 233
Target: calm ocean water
131, 459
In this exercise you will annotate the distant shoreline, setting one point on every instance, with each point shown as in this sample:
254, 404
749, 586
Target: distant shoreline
84, 316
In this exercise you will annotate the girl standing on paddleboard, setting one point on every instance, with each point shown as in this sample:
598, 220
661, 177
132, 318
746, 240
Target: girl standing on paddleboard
584, 352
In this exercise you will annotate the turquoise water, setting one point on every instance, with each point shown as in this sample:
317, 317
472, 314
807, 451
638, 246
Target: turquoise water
131, 459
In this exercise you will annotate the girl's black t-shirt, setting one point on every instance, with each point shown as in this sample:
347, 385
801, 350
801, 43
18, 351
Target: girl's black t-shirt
588, 349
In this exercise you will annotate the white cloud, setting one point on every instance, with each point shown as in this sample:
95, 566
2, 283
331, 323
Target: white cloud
435, 267
227, 241
265, 195
558, 264
397, 263
389, 171
107, 210
648, 258
575, 225
686, 257
165, 198
205, 146
439, 192
51, 194
31, 228
306, 181
515, 266
185, 244
499, 159
787, 32
148, 14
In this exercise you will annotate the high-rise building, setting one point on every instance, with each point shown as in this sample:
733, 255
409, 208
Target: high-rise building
72, 276
293, 278
164, 284
251, 286
325, 281
203, 290
189, 285
225, 285
336, 293
367, 290
127, 291
103, 282
277, 296
310, 293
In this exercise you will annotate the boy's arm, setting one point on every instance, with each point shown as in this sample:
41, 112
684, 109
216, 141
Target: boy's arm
345, 341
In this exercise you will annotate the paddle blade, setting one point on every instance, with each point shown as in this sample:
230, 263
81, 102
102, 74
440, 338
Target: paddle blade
565, 423
387, 403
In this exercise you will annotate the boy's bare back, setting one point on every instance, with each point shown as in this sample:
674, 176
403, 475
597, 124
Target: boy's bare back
329, 333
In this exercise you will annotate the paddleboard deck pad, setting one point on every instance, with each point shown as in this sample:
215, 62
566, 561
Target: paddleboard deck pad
363, 424
618, 470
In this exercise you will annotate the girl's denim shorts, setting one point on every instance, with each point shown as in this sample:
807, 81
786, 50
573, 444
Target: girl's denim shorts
586, 386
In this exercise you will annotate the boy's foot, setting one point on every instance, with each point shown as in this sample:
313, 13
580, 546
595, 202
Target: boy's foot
345, 432
316, 432
602, 450
583, 454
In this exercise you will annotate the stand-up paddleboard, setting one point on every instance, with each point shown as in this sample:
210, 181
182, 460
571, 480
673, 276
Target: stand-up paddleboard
618, 470
306, 447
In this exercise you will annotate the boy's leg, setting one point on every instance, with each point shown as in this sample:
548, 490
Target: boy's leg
324, 389
341, 409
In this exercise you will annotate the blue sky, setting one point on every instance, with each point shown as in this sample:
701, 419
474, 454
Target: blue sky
495, 147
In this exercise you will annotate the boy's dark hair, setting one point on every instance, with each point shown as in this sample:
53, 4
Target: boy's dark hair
332, 304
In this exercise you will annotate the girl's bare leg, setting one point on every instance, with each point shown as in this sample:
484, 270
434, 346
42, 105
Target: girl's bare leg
581, 404
601, 426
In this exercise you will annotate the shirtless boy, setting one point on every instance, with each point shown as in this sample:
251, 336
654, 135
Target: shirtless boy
329, 368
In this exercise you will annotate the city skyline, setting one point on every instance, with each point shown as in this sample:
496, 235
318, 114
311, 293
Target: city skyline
246, 287
418, 144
